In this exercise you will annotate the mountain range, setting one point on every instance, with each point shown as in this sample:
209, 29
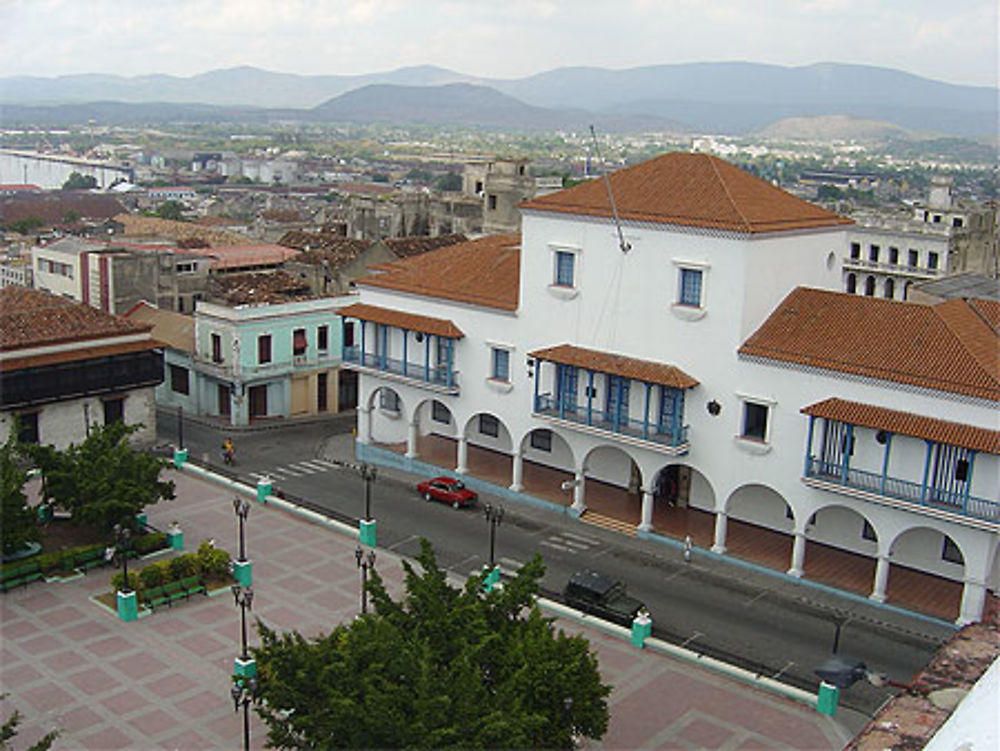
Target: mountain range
722, 97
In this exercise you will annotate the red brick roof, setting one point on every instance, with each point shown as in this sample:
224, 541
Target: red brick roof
408, 321
481, 272
619, 365
697, 190
32, 318
907, 423
946, 347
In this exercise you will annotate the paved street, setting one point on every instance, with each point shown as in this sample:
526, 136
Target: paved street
162, 681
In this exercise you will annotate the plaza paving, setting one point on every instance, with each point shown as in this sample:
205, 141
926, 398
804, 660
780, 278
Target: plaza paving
163, 681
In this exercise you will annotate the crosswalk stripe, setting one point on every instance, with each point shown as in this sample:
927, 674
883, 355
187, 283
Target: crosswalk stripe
574, 543
303, 468
312, 465
325, 463
557, 546
256, 475
581, 538
286, 472
511, 563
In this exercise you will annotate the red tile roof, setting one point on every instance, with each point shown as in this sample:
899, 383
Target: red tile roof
907, 423
32, 318
696, 190
619, 365
75, 355
408, 321
946, 347
481, 272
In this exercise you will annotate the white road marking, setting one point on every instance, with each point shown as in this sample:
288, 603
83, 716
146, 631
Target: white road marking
325, 463
557, 546
510, 563
287, 471
581, 538
256, 476
314, 465
575, 544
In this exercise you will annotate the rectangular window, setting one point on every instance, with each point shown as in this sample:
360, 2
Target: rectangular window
440, 413
932, 260
114, 410
893, 255
179, 380
957, 222
855, 250
492, 202
873, 251
28, 427
616, 405
489, 425
564, 268
913, 258
323, 338
566, 381
500, 367
388, 400
754, 421
690, 293
264, 349
962, 470
541, 439
349, 334
671, 409
299, 342
216, 348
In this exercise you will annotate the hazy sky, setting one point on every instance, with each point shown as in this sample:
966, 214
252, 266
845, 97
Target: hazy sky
953, 40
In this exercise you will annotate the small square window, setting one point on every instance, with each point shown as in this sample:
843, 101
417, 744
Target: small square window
932, 260
855, 250
893, 255
541, 439
264, 349
179, 382
27, 425
492, 202
962, 470
755, 421
349, 334
489, 425
690, 287
500, 366
565, 262
216, 348
299, 342
114, 410
323, 338
440, 413
912, 258
873, 251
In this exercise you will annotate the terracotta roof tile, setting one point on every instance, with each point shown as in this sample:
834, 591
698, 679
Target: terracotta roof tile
619, 365
259, 288
907, 423
481, 272
947, 347
173, 329
178, 231
408, 321
697, 190
405, 247
75, 355
54, 206
989, 311
31, 318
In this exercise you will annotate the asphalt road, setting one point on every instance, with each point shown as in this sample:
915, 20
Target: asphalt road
779, 628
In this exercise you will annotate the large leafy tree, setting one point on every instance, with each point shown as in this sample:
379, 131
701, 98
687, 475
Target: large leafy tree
442, 668
103, 481
18, 521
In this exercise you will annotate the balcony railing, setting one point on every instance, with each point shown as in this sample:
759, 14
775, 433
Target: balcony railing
904, 490
418, 371
548, 406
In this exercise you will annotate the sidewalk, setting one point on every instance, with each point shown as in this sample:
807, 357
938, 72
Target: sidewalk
163, 681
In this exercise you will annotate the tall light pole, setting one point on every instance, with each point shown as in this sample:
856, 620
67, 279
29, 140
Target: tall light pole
494, 515
242, 569
128, 605
242, 692
366, 525
365, 561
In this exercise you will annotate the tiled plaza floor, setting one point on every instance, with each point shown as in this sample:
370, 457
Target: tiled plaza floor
163, 681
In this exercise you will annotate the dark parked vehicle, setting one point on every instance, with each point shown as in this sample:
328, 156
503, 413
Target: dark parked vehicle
447, 490
597, 594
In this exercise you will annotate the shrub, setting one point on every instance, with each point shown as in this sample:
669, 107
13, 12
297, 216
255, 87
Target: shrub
151, 576
181, 566
133, 581
212, 561
145, 544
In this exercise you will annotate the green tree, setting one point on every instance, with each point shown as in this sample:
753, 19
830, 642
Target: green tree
170, 210
8, 731
77, 181
442, 668
449, 181
103, 481
27, 225
17, 519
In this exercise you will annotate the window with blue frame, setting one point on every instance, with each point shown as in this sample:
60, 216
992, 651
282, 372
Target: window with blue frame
617, 400
690, 287
388, 400
565, 263
671, 409
566, 380
500, 366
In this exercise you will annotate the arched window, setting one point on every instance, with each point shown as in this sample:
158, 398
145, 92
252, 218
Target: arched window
852, 283
870, 286
890, 289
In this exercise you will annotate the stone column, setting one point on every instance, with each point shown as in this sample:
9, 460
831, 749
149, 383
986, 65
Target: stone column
517, 473
578, 503
463, 456
881, 579
973, 601
364, 424
798, 555
719, 544
646, 525
411, 440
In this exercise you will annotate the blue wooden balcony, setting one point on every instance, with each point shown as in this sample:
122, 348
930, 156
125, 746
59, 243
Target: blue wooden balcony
903, 490
441, 377
673, 438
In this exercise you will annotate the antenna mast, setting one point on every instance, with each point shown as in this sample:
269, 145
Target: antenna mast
622, 243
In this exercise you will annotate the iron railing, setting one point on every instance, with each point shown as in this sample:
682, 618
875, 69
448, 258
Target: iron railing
548, 406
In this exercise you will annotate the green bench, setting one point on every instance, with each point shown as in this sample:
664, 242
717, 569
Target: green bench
192, 585
89, 559
168, 593
19, 575
155, 596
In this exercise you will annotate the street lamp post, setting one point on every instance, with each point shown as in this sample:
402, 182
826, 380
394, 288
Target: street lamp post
367, 527
242, 693
365, 562
494, 515
128, 607
243, 597
245, 669
242, 568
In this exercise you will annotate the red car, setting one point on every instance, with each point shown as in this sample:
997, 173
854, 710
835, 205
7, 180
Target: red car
447, 490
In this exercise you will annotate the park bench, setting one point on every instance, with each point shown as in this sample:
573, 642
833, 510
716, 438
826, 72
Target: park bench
20, 575
90, 559
192, 585
168, 593
155, 596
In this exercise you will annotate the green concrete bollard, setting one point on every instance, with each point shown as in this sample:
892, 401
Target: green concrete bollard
642, 628
141, 520
264, 486
175, 536
243, 573
128, 606
180, 456
366, 532
245, 668
45, 513
492, 579
826, 699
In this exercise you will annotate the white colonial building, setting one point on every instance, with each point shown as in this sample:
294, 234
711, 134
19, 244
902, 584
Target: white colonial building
697, 361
